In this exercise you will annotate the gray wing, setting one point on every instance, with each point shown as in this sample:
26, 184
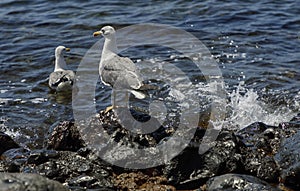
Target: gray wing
61, 80
121, 72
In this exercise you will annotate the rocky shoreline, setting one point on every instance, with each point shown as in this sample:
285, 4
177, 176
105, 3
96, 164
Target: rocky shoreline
257, 157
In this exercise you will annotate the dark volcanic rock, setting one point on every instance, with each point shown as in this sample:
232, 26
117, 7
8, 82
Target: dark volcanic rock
190, 169
288, 158
296, 119
262, 142
28, 182
65, 137
75, 170
267, 153
14, 159
238, 182
116, 144
272, 153
71, 168
113, 123
38, 157
6, 143
250, 133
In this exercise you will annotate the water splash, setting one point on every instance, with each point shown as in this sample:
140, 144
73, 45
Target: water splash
4, 128
245, 107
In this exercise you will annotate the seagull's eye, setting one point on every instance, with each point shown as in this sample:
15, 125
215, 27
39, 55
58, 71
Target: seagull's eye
103, 31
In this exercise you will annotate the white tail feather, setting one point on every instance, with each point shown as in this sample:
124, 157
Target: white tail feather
137, 94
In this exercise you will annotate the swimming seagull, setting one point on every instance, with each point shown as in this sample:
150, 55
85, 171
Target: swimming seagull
116, 71
61, 79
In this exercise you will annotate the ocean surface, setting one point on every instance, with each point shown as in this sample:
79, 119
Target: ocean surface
256, 45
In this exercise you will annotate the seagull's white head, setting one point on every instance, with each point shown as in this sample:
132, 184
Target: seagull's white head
106, 31
59, 50
60, 63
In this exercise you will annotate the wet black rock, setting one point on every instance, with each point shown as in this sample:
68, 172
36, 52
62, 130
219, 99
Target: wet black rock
114, 124
14, 159
28, 182
84, 181
65, 137
115, 143
238, 182
262, 142
75, 156
71, 168
75, 170
251, 132
249, 151
191, 169
38, 157
296, 119
6, 143
288, 159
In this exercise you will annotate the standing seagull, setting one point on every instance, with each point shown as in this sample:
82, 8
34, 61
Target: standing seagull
116, 71
61, 79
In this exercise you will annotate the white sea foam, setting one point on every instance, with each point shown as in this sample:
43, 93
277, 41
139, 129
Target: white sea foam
3, 91
10, 132
242, 107
38, 100
245, 107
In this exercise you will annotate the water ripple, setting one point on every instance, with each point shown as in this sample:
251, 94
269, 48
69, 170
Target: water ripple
256, 42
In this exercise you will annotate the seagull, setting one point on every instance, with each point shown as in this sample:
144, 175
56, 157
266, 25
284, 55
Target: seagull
116, 71
61, 79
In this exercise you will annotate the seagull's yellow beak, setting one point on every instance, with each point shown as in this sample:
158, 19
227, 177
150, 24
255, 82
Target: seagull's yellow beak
67, 49
97, 33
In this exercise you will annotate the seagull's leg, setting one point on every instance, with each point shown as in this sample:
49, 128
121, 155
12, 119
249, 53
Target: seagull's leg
113, 103
114, 100
126, 99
